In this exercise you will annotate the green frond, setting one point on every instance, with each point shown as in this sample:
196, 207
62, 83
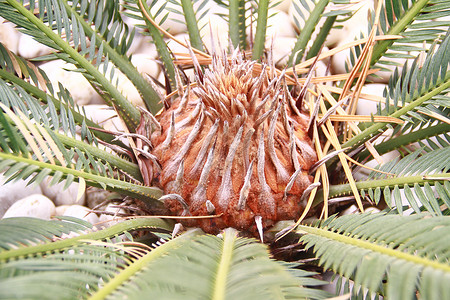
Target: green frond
41, 262
35, 151
33, 83
209, 267
68, 30
237, 23
418, 21
17, 232
410, 178
50, 235
366, 249
141, 12
192, 24
261, 26
418, 86
55, 130
316, 9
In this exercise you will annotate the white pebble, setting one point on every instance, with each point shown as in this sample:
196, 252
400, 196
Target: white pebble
36, 205
14, 191
104, 115
9, 36
61, 196
80, 89
29, 48
81, 212
109, 220
366, 106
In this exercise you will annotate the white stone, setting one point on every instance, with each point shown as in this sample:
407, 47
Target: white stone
61, 196
14, 191
80, 89
81, 212
109, 220
366, 106
9, 36
146, 64
278, 25
29, 48
105, 116
219, 29
60, 210
284, 5
36, 205
96, 196
175, 47
281, 49
363, 173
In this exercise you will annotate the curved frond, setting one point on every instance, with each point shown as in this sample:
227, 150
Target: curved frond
209, 267
35, 150
41, 261
418, 21
418, 87
67, 29
308, 15
367, 249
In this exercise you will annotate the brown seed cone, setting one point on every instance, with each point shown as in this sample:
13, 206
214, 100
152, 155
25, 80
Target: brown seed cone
237, 146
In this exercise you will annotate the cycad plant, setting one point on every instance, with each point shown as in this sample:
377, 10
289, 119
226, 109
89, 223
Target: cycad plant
238, 150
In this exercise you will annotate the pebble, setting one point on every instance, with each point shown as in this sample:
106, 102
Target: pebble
366, 106
96, 196
80, 89
80, 212
28, 48
278, 25
61, 196
109, 220
104, 115
14, 191
35, 205
9, 36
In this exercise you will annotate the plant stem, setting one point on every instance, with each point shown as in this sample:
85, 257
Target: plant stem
381, 47
97, 235
237, 23
224, 265
129, 113
344, 189
138, 191
368, 132
141, 263
43, 97
306, 32
149, 95
261, 26
191, 23
347, 240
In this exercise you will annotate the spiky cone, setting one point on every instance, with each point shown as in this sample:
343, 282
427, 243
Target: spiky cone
236, 146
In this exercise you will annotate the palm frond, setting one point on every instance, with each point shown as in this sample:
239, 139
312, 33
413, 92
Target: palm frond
209, 267
417, 87
37, 150
367, 249
418, 22
39, 96
38, 255
307, 16
67, 29
139, 10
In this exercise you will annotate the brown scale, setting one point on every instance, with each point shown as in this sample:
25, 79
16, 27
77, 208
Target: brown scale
235, 145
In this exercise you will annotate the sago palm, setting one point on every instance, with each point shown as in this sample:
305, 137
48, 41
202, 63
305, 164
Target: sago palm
257, 155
